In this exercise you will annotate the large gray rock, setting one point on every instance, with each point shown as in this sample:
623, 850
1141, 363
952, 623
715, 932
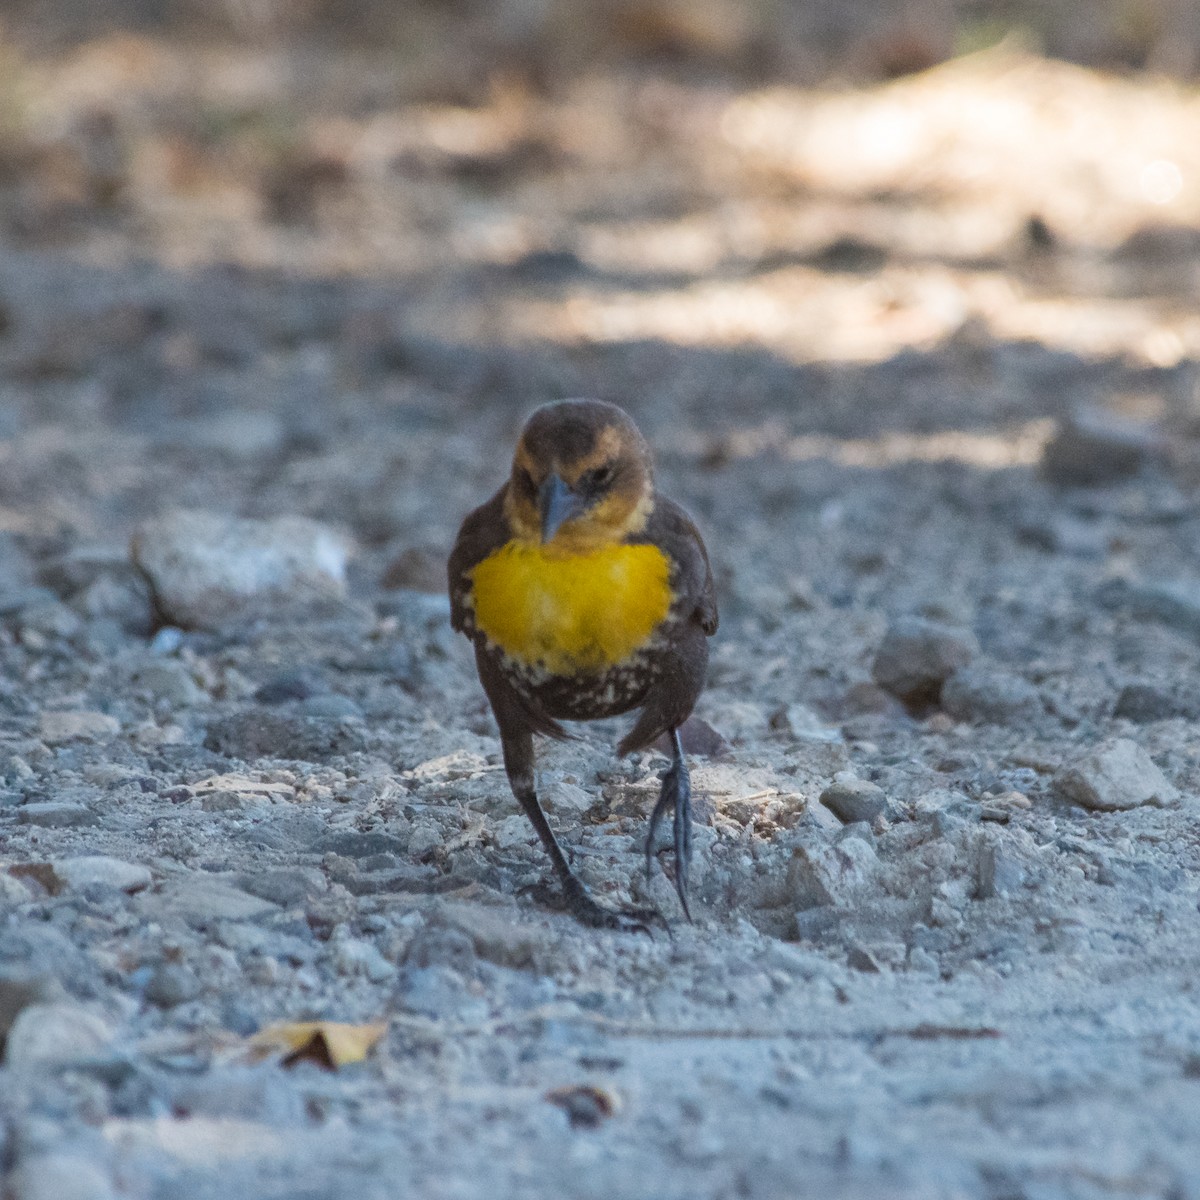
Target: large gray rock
917, 656
54, 1033
207, 569
1116, 774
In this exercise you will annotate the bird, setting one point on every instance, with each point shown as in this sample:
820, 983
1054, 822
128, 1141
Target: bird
587, 594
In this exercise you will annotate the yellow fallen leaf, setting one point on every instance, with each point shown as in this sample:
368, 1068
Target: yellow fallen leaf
332, 1044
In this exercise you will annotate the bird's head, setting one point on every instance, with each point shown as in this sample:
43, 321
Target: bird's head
581, 476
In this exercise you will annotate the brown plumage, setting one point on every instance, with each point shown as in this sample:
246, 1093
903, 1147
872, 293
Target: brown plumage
586, 595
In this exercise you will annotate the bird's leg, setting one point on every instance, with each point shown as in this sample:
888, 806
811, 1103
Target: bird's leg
518, 761
676, 795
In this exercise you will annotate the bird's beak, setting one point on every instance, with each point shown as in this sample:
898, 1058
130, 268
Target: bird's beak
557, 504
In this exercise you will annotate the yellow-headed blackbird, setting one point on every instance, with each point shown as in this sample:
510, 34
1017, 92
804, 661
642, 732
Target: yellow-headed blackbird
586, 595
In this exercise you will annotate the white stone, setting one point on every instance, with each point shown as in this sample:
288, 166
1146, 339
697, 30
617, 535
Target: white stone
75, 724
100, 869
1116, 774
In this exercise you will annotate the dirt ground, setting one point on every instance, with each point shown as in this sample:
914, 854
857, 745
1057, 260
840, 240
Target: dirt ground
920, 355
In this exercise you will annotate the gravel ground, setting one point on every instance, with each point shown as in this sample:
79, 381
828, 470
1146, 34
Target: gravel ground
946, 872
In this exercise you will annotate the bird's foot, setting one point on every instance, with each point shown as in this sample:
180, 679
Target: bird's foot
676, 795
586, 909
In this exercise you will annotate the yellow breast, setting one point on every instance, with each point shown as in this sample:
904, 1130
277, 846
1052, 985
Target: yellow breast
571, 612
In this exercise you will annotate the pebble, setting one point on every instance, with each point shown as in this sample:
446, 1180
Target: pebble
285, 886
208, 569
200, 901
821, 875
854, 800
353, 956
21, 986
257, 733
169, 680
1117, 774
1144, 703
56, 727
566, 798
172, 984
56, 814
999, 872
990, 697
99, 869
59, 1176
440, 992
56, 1032
290, 685
917, 656
1093, 447
1171, 603
497, 936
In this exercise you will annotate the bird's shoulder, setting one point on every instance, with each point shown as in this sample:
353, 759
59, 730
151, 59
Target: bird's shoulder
483, 531
672, 530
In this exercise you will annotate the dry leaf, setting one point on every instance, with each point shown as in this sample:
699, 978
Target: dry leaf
332, 1044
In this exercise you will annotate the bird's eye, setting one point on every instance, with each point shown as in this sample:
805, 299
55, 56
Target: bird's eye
524, 481
600, 477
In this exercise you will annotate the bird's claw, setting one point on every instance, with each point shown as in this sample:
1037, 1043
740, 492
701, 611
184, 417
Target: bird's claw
676, 795
589, 911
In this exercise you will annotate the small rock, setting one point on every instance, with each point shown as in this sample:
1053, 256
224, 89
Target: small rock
820, 875
991, 697
496, 935
697, 736
859, 958
800, 722
1117, 774
566, 798
855, 800
172, 984
56, 814
945, 810
1173, 603
201, 901
917, 656
81, 724
286, 886
353, 844
255, 733
59, 1176
257, 1093
54, 1033
1095, 447
290, 685
99, 869
353, 956
1144, 703
21, 986
999, 872
207, 569
440, 992
171, 681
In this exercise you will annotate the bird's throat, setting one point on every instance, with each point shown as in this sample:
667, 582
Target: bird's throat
571, 613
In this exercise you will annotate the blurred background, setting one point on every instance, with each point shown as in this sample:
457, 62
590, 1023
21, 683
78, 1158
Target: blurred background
222, 220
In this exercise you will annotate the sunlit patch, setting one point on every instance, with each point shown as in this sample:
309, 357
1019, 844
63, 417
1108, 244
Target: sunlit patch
1161, 181
986, 450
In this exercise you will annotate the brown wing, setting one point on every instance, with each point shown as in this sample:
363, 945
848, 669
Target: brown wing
674, 531
483, 531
